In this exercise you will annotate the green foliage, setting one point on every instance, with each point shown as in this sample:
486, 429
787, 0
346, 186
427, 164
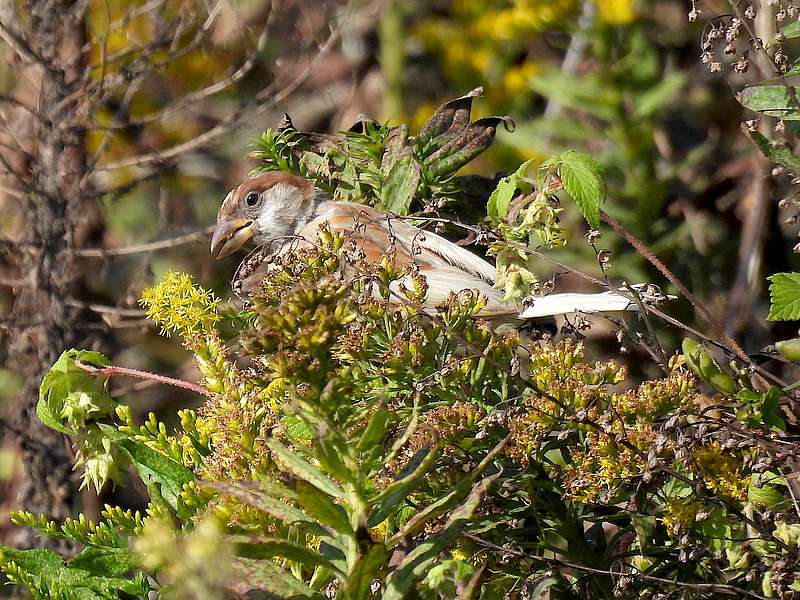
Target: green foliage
69, 397
356, 447
369, 444
582, 179
784, 291
384, 166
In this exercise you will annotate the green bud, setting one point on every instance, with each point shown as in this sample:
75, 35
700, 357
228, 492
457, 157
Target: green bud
703, 365
789, 349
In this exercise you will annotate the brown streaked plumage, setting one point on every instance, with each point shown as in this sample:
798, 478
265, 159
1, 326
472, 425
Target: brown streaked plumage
288, 210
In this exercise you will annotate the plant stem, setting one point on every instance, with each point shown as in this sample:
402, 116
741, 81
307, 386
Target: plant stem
136, 373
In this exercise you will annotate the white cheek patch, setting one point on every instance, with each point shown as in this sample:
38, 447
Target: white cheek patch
276, 216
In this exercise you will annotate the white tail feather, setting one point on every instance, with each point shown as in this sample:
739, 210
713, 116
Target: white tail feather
562, 304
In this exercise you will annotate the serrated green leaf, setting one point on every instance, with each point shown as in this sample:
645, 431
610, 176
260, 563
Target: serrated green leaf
65, 378
582, 179
784, 294
303, 469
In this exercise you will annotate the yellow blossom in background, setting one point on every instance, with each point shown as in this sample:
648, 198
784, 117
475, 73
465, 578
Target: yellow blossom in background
616, 12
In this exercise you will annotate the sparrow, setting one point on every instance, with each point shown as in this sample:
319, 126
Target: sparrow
284, 211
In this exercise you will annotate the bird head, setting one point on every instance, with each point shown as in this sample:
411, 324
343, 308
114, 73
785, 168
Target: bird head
267, 207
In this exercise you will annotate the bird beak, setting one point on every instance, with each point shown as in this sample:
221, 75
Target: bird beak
229, 236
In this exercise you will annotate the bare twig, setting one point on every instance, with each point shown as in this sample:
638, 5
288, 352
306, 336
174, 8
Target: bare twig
21, 47
192, 98
229, 123
654, 260
140, 248
103, 309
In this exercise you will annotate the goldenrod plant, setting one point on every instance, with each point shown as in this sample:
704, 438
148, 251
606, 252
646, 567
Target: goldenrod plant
352, 445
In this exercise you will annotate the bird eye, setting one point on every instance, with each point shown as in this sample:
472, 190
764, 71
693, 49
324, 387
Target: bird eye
251, 199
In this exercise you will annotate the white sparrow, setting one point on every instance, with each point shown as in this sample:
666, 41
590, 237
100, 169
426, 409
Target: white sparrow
286, 210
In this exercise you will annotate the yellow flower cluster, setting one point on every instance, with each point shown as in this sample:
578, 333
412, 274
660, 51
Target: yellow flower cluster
722, 472
180, 307
609, 433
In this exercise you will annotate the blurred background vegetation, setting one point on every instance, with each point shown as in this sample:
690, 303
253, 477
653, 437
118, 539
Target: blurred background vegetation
619, 79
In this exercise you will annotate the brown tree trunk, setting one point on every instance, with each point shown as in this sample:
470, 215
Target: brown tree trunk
43, 324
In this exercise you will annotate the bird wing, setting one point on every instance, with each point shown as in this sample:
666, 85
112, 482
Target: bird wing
447, 267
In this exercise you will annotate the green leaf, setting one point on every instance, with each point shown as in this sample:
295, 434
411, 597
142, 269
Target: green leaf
448, 501
704, 366
451, 117
152, 466
582, 179
476, 138
784, 293
792, 30
63, 380
415, 565
781, 155
400, 185
251, 494
105, 561
365, 570
789, 349
322, 509
772, 100
259, 547
249, 574
49, 573
374, 431
766, 495
303, 469
497, 205
390, 498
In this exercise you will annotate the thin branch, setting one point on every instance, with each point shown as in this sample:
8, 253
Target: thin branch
194, 97
244, 113
21, 47
720, 588
138, 374
140, 248
654, 260
104, 309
